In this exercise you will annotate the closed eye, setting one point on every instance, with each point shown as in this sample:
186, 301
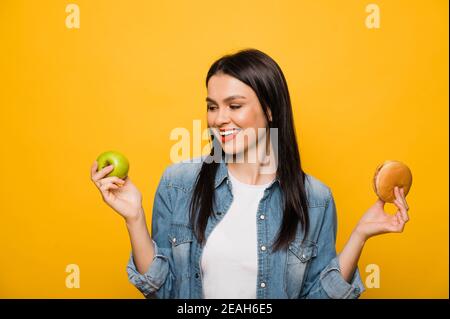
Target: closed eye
212, 107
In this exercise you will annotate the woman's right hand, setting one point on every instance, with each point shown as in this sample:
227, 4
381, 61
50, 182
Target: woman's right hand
120, 194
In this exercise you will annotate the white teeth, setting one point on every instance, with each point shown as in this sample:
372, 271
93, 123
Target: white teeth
226, 133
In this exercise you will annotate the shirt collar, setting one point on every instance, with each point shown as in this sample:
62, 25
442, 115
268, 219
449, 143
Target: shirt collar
222, 173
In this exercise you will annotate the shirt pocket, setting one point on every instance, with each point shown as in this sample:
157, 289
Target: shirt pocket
181, 237
298, 258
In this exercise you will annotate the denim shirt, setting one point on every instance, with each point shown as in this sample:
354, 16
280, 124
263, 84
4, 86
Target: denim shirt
304, 270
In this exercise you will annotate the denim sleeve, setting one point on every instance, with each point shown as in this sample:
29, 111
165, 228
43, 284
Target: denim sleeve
324, 279
157, 282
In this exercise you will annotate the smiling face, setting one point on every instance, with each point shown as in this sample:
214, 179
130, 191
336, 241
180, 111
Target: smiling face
234, 112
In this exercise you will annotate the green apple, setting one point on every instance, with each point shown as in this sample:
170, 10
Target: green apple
119, 161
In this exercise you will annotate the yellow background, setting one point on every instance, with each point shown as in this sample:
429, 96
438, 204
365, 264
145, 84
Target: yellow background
135, 70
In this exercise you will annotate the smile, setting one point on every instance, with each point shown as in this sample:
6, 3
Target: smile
228, 135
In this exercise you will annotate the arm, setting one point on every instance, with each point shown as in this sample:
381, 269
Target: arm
340, 278
141, 242
325, 279
349, 256
156, 279
374, 222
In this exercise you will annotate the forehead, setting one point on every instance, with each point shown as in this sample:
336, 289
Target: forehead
221, 86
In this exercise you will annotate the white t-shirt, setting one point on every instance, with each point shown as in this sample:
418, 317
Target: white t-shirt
229, 259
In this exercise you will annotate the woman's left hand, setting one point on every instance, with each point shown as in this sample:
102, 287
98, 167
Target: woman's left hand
376, 221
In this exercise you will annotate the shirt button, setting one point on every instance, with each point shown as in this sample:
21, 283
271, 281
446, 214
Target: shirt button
174, 240
262, 216
263, 248
263, 285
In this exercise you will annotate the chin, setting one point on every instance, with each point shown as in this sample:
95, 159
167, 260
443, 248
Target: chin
230, 150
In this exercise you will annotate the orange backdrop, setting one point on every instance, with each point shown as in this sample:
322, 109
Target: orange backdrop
135, 70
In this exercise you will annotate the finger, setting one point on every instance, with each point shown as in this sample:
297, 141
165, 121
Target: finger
402, 211
398, 228
400, 218
112, 179
94, 168
393, 228
396, 193
108, 186
405, 211
398, 196
397, 225
100, 174
398, 203
402, 193
401, 226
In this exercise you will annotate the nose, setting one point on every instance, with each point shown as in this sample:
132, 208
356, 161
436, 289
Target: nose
222, 117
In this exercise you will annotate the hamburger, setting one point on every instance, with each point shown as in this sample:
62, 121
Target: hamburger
387, 176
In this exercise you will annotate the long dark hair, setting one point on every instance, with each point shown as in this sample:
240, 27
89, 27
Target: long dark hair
264, 76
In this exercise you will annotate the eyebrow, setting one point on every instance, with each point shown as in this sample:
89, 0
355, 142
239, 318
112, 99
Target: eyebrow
225, 100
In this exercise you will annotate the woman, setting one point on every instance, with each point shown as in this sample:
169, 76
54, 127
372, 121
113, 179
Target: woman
241, 223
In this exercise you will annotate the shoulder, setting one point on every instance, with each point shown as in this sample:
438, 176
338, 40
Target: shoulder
322, 204
183, 174
318, 193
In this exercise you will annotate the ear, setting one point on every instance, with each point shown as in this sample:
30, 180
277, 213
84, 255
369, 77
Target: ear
270, 114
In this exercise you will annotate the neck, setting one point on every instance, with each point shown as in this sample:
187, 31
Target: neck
256, 170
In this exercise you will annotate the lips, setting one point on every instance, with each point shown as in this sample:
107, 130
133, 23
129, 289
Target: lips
228, 134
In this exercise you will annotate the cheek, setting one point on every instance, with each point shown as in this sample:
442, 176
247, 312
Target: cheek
210, 119
248, 118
